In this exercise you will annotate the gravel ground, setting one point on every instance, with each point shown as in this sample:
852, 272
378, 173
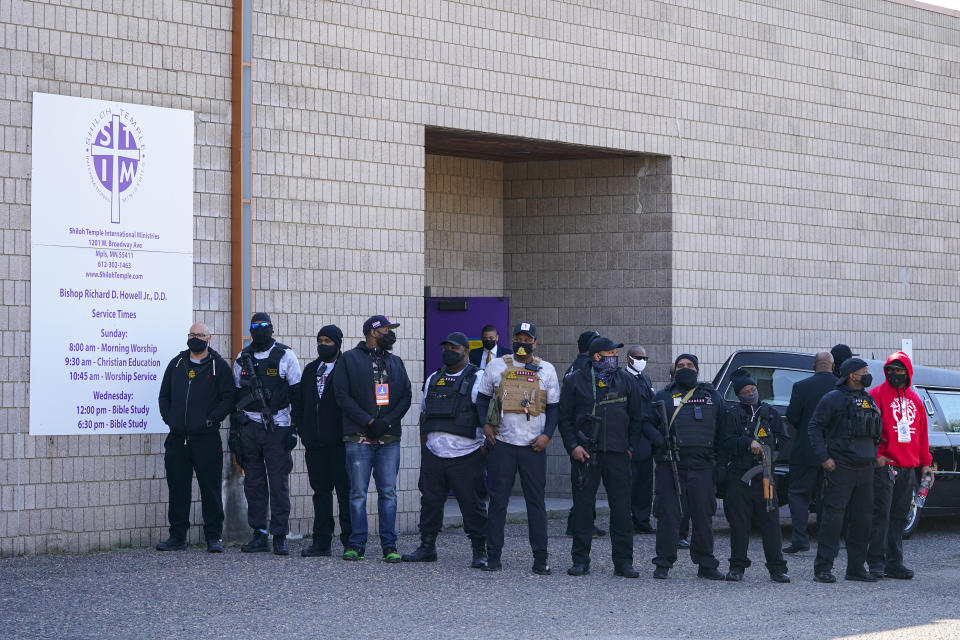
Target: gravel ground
192, 594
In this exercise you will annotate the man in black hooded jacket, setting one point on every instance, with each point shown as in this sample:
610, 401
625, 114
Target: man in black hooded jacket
320, 426
196, 394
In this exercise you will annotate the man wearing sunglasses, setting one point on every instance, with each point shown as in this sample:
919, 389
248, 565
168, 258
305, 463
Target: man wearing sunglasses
266, 371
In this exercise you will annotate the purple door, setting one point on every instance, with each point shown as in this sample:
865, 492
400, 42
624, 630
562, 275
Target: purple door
469, 315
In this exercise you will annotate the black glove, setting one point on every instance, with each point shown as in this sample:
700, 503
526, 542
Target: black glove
377, 428
660, 442
290, 439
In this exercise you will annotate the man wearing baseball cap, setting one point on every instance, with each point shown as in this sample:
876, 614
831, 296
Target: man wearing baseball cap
528, 393
373, 391
601, 415
450, 457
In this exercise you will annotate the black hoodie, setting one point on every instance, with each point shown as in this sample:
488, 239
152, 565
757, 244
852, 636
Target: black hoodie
192, 393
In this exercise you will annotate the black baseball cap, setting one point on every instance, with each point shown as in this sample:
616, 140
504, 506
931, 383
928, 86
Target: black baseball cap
526, 327
601, 343
583, 342
375, 322
458, 339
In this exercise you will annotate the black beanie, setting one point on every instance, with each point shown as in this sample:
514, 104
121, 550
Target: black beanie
849, 366
260, 316
333, 332
583, 342
741, 378
688, 356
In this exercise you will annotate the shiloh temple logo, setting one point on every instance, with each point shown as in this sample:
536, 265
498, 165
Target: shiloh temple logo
115, 157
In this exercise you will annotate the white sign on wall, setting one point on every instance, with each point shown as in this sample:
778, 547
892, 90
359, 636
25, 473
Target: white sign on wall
111, 261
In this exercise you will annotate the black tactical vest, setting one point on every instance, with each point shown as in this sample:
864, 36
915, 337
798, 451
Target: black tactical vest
696, 422
448, 405
268, 371
863, 428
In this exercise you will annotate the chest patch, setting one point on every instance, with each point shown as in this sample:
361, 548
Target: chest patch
273, 372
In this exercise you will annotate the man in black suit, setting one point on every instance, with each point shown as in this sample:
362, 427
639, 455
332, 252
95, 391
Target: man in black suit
806, 474
482, 356
319, 421
641, 498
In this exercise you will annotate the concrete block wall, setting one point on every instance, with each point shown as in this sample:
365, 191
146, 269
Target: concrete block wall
463, 229
813, 149
74, 493
587, 246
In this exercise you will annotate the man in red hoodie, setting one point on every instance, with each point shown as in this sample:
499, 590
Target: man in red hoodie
903, 448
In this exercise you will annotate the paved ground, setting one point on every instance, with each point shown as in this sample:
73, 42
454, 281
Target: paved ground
192, 594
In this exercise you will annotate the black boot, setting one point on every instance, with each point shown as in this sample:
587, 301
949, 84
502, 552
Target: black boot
540, 566
426, 552
259, 544
172, 544
479, 554
280, 546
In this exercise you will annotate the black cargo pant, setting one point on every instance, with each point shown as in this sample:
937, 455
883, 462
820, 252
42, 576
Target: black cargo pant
805, 482
327, 472
266, 477
891, 509
183, 456
845, 490
701, 503
464, 475
743, 505
614, 469
641, 495
505, 461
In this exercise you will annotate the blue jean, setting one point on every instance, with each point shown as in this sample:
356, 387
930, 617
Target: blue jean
383, 460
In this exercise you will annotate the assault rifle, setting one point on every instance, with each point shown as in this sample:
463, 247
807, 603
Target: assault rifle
592, 444
672, 453
765, 467
257, 393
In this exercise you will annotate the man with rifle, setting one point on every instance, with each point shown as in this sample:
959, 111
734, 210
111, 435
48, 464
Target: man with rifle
689, 418
752, 433
265, 373
601, 415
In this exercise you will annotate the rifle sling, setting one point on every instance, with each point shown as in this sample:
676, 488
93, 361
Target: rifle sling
680, 406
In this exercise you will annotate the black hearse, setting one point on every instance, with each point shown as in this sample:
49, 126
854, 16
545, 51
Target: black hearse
777, 371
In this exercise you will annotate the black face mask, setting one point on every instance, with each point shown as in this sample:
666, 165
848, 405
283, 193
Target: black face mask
450, 358
196, 345
526, 346
489, 344
262, 338
327, 351
387, 340
686, 378
897, 380
866, 380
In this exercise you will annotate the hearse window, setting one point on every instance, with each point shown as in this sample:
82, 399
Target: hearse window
775, 385
950, 403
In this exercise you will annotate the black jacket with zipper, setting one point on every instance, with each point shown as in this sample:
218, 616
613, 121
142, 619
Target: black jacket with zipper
187, 400
353, 380
318, 418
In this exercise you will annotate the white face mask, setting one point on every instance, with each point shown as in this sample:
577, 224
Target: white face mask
636, 364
